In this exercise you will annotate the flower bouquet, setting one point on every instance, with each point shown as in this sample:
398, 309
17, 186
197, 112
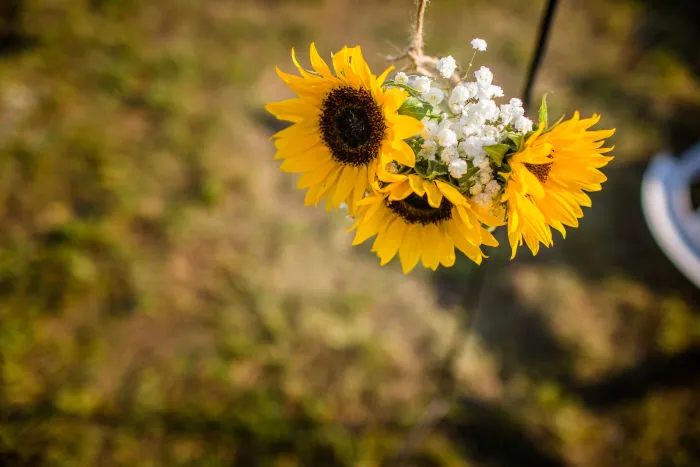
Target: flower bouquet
435, 160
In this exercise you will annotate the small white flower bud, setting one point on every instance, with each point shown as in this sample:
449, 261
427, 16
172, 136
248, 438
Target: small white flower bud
485, 176
459, 94
476, 189
458, 167
523, 124
472, 146
401, 78
509, 113
481, 161
428, 149
484, 77
421, 84
449, 154
492, 187
479, 44
434, 96
456, 108
447, 137
430, 128
472, 89
488, 110
446, 66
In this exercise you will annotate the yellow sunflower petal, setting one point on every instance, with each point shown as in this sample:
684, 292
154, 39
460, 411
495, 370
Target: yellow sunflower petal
410, 250
381, 78
292, 110
431, 247
393, 99
398, 191
451, 193
416, 183
405, 126
434, 195
318, 64
301, 69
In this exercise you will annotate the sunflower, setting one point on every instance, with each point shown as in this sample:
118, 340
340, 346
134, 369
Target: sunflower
548, 178
344, 126
422, 219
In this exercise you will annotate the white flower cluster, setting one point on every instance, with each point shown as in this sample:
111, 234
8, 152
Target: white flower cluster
464, 119
479, 44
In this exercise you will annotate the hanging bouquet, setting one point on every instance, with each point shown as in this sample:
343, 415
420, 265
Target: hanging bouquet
429, 162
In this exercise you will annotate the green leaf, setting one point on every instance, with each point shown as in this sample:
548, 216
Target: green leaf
543, 111
464, 180
414, 107
518, 140
496, 152
436, 168
422, 168
430, 169
416, 143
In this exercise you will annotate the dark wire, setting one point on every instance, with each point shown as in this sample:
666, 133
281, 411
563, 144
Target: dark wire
543, 37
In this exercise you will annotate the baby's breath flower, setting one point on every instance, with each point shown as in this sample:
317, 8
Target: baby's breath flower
492, 187
449, 154
435, 96
488, 109
456, 107
488, 92
449, 123
430, 129
472, 146
479, 44
491, 133
457, 168
460, 94
512, 111
421, 84
401, 78
446, 66
471, 121
428, 149
484, 77
476, 189
523, 124
470, 129
447, 137
485, 176
472, 89
481, 161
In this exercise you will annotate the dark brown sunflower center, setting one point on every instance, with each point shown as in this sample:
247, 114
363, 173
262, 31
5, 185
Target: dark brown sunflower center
416, 210
541, 171
352, 125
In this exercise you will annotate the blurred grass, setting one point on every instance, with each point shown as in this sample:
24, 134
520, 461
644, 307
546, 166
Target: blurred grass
166, 299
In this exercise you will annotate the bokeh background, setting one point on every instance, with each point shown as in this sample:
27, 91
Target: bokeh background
166, 298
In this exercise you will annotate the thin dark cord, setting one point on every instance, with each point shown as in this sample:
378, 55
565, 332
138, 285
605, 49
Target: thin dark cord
543, 37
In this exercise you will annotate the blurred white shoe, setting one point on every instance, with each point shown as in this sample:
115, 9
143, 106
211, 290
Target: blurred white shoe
669, 213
